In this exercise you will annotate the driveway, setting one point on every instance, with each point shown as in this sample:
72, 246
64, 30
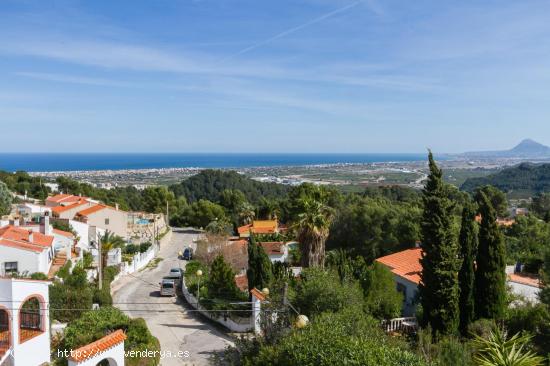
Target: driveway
194, 337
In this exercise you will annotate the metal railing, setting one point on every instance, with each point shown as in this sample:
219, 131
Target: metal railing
404, 325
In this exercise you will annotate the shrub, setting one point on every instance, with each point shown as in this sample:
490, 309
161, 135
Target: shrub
102, 297
38, 276
344, 338
320, 291
94, 325
382, 298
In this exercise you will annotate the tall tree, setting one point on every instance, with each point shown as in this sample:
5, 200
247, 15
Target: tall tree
221, 281
438, 288
490, 281
545, 292
466, 276
260, 271
312, 226
5, 199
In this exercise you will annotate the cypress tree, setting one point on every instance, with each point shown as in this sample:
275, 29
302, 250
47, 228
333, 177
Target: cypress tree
466, 276
490, 279
260, 271
221, 281
438, 288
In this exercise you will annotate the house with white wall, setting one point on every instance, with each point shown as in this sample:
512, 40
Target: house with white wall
24, 322
406, 268
109, 348
32, 210
277, 251
24, 250
63, 200
105, 217
69, 211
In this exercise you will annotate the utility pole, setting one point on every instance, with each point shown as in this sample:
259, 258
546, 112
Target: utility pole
100, 269
167, 213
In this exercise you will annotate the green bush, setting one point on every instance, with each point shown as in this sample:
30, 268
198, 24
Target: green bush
103, 297
319, 291
344, 338
94, 325
38, 276
534, 319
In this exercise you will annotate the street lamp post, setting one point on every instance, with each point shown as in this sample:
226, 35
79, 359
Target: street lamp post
199, 275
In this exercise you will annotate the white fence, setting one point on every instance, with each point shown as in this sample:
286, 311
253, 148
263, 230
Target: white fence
241, 325
405, 325
139, 261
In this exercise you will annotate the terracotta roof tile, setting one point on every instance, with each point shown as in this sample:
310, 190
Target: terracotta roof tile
257, 294
65, 198
98, 347
405, 264
91, 210
244, 229
60, 209
16, 234
273, 247
64, 233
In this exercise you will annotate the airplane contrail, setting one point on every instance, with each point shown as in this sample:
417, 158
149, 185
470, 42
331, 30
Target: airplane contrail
292, 30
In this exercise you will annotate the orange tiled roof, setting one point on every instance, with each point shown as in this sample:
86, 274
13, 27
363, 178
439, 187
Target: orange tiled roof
90, 210
257, 294
64, 198
405, 264
244, 229
17, 237
273, 247
242, 282
101, 345
60, 209
64, 233
525, 280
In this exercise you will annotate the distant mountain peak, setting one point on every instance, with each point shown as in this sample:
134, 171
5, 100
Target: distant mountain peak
530, 145
527, 148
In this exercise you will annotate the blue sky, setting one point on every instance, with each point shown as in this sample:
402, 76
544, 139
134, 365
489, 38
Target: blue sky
273, 76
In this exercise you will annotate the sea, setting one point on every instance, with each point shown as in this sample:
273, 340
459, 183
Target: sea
53, 162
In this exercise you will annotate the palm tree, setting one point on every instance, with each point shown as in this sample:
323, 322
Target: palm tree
109, 241
312, 226
268, 209
499, 350
246, 213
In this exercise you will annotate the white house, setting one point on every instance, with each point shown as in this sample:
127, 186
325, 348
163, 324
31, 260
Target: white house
109, 348
526, 286
32, 210
24, 322
277, 251
105, 217
406, 268
24, 250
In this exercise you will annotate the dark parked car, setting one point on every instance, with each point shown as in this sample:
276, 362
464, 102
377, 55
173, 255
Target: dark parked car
188, 254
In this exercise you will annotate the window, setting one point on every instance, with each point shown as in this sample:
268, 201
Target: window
106, 221
10, 267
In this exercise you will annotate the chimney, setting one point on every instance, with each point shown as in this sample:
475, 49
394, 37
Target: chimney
31, 236
47, 227
116, 206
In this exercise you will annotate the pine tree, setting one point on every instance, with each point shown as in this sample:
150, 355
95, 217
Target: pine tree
438, 289
466, 276
490, 279
260, 271
221, 281
545, 292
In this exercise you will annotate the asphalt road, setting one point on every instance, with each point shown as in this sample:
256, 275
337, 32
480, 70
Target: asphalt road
177, 330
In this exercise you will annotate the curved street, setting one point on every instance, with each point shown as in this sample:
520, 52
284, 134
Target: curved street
167, 317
